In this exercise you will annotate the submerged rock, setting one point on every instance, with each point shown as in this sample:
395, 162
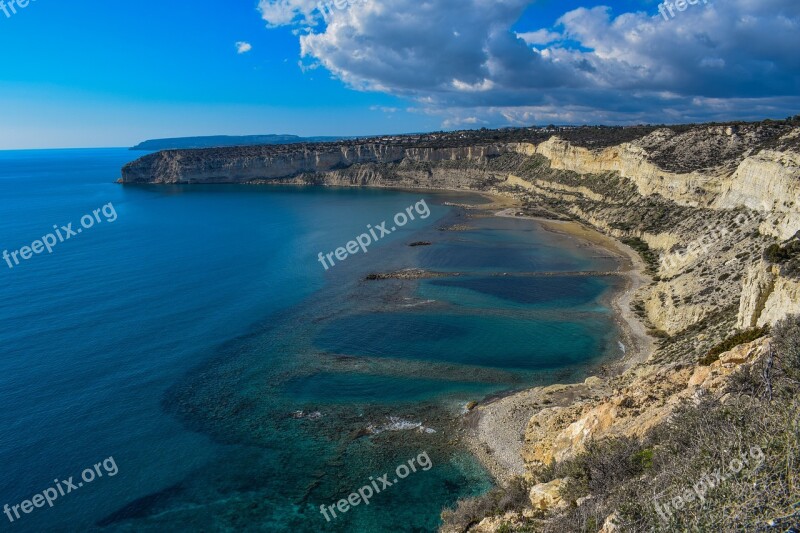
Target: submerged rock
409, 273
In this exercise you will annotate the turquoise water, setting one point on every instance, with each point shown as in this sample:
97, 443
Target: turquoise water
235, 382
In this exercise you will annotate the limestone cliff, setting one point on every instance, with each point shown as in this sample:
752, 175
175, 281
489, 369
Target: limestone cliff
265, 163
629, 161
767, 297
749, 166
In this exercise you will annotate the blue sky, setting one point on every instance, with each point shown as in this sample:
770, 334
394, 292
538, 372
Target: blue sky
104, 73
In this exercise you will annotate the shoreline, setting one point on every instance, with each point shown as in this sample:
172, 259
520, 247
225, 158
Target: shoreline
639, 344
496, 427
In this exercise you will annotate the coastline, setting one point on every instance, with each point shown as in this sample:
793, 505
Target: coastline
495, 428
664, 196
631, 268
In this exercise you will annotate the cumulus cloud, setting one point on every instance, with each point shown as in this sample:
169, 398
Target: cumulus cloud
243, 47
285, 12
462, 60
542, 36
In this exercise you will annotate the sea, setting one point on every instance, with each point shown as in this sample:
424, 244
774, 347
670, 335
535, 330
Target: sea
180, 359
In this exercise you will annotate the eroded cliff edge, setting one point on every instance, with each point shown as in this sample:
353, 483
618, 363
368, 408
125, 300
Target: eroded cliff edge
702, 204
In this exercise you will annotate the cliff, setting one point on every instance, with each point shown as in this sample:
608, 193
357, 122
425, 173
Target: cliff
266, 163
725, 167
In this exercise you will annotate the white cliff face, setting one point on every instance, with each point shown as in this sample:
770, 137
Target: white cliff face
249, 164
768, 182
757, 287
784, 300
667, 308
631, 162
464, 153
767, 297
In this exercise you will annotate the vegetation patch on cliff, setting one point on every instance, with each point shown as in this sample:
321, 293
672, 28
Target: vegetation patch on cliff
787, 256
642, 248
742, 337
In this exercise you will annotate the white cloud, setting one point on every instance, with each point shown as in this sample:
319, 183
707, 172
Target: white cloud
243, 47
539, 37
591, 67
286, 12
483, 85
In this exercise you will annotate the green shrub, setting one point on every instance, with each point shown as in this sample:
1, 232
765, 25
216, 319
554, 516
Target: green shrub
504, 528
779, 255
786, 344
497, 501
643, 249
602, 466
742, 337
643, 458
658, 333
775, 254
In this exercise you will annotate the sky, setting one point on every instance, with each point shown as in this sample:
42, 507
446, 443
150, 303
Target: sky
96, 73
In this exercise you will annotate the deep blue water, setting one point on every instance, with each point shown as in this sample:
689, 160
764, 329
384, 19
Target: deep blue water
237, 384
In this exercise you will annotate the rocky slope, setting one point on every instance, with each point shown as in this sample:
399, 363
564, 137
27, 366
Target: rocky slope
700, 203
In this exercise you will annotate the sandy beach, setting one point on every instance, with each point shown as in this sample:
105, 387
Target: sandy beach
496, 428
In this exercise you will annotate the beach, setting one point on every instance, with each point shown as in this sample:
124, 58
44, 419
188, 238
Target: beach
496, 427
